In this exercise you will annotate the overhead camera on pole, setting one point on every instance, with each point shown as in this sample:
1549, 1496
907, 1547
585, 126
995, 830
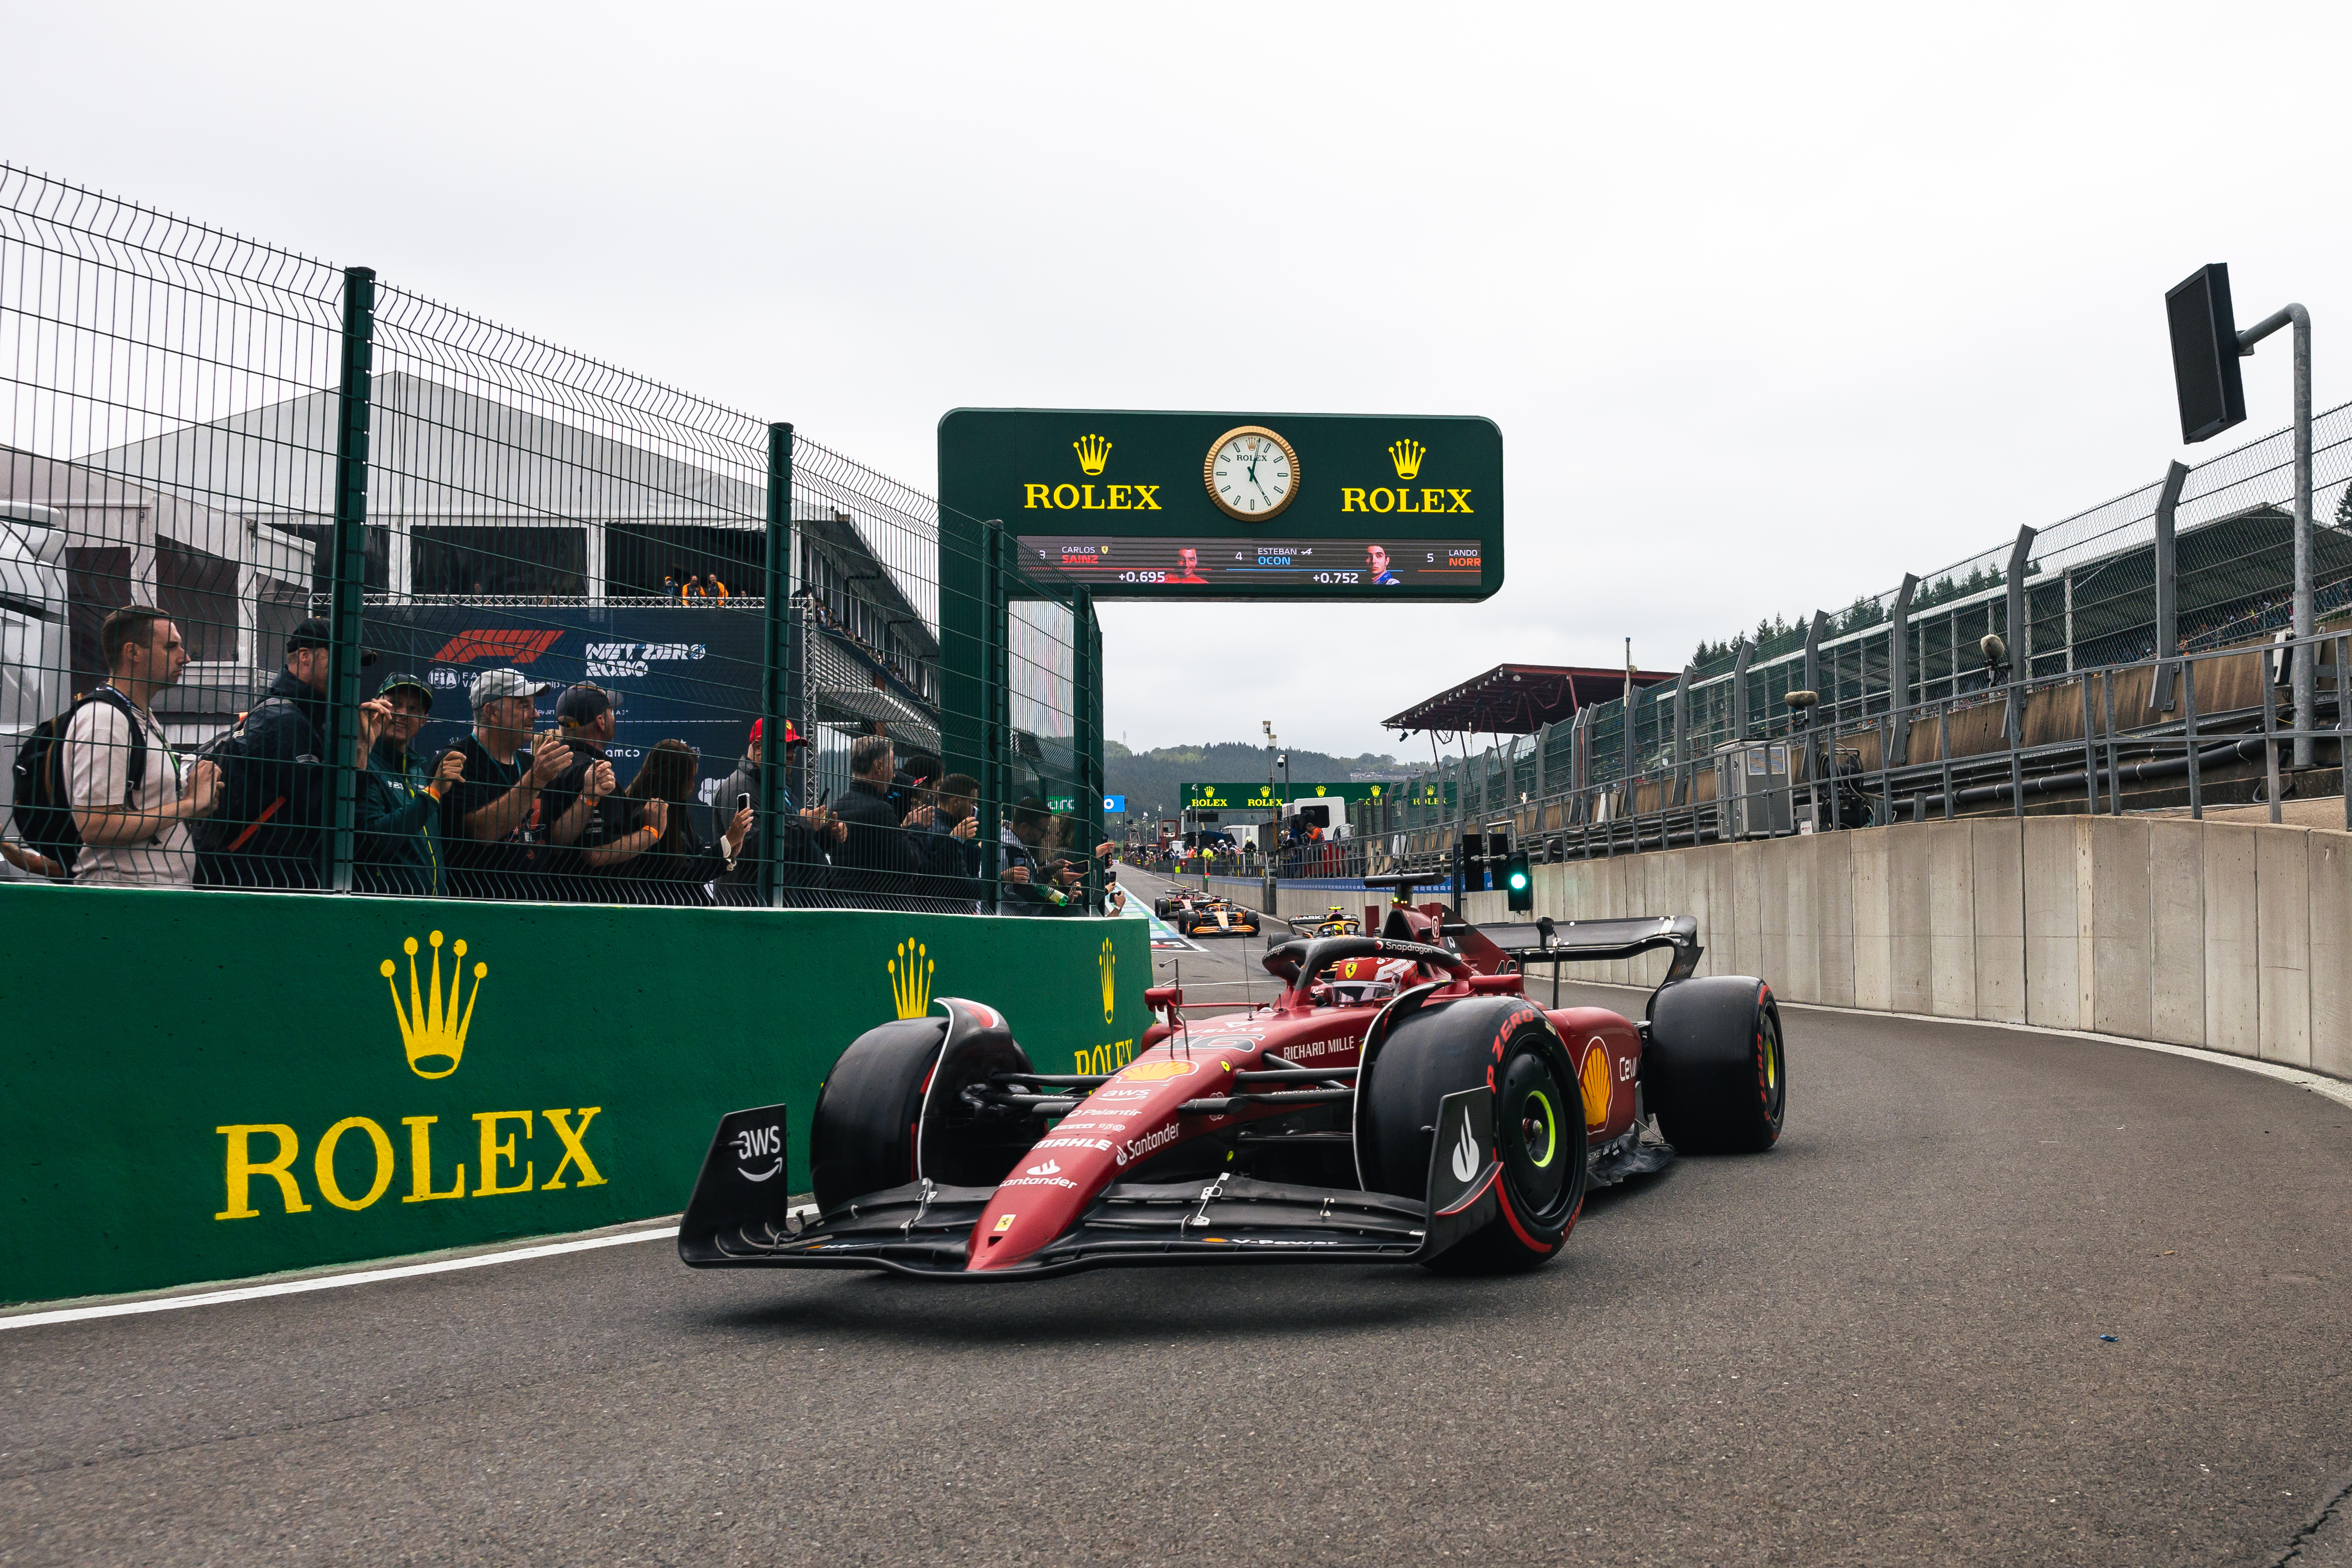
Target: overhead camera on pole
2206, 348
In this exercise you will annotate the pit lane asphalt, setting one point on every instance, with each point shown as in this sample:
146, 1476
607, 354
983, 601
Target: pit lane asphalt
1879, 1343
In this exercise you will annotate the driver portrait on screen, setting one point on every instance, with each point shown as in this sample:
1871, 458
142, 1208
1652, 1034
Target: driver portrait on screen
1187, 567
1376, 561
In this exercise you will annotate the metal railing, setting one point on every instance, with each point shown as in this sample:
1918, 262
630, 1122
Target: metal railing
2160, 725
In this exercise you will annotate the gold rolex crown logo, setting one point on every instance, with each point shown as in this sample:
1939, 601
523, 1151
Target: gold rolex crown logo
911, 979
1407, 454
1108, 961
1093, 453
428, 1030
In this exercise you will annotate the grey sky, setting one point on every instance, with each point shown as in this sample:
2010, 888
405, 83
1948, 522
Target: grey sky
1771, 305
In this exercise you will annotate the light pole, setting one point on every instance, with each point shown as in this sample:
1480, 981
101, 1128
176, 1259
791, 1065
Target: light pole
1274, 824
2305, 610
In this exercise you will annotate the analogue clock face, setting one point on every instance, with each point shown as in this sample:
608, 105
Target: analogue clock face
1251, 472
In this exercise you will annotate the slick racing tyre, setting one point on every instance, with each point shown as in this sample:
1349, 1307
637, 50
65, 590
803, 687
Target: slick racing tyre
1713, 1069
1505, 1044
876, 1126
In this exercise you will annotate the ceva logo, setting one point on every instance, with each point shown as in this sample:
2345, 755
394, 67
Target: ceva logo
499, 646
911, 979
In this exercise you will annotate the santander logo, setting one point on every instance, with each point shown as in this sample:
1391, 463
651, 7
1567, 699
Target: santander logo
1050, 1168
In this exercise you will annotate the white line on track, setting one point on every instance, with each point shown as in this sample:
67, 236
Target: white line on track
327, 1281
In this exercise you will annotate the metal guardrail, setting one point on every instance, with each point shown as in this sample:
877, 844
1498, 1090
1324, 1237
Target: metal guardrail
2099, 761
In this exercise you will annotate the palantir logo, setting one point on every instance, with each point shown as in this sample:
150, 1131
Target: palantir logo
911, 979
428, 1030
501, 647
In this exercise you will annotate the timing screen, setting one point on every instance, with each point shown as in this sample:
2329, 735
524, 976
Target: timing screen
1258, 563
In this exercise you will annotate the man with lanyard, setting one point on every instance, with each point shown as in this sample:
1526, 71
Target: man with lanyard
489, 821
397, 847
591, 826
134, 830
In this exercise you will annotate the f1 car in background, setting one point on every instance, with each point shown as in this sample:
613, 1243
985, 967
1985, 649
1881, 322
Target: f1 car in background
1214, 916
1334, 922
1405, 1099
1177, 899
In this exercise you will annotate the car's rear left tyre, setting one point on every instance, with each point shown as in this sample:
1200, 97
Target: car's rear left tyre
1506, 1046
1713, 1069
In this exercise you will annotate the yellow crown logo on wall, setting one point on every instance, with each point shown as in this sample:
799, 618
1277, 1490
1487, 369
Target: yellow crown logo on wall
428, 1030
1407, 454
1108, 961
1093, 453
911, 979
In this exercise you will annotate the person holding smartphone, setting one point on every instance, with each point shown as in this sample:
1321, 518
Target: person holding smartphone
396, 825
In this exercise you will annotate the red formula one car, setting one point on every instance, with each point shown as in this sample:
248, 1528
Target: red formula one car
1405, 1100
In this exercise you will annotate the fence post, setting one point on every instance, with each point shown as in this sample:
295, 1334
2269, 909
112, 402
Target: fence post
1898, 668
2168, 589
2014, 610
1086, 728
347, 602
1739, 690
780, 666
1682, 740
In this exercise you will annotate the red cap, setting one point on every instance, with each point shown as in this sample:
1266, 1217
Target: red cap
791, 737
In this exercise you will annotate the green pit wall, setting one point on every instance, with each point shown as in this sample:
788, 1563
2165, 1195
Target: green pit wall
144, 1026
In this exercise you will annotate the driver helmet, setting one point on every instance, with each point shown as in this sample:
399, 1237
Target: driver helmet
1354, 981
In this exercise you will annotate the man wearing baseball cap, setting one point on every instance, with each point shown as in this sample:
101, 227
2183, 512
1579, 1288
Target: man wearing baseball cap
490, 818
274, 794
593, 829
395, 843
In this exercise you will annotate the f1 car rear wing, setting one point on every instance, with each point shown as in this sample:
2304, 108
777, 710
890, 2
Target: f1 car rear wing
1545, 941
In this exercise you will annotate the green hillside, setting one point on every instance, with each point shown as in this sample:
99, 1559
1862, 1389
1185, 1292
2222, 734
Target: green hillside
1150, 779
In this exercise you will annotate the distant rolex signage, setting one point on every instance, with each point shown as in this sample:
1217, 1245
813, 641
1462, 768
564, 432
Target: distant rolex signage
1239, 505
1266, 797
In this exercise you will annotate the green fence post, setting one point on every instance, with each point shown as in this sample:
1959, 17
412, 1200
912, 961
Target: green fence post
1086, 728
347, 603
780, 668
996, 706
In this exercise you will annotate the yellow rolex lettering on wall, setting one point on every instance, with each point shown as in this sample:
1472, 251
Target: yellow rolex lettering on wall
355, 1162
1094, 454
1406, 456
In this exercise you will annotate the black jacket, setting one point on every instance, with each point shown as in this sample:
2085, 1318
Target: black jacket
274, 793
804, 861
877, 857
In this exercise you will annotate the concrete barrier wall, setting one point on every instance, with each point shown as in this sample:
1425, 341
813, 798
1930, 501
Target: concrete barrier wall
213, 1085
2230, 937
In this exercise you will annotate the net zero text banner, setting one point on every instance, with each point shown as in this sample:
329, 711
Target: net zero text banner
208, 1086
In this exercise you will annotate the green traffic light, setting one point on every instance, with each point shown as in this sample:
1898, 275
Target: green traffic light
1518, 879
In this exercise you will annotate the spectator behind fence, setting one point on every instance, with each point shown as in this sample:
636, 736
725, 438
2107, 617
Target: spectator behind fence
1020, 847
803, 835
592, 829
718, 589
396, 841
694, 586
124, 782
876, 859
947, 843
669, 584
678, 868
273, 784
490, 821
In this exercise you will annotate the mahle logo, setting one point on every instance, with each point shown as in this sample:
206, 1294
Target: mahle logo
1106, 960
428, 1030
911, 979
